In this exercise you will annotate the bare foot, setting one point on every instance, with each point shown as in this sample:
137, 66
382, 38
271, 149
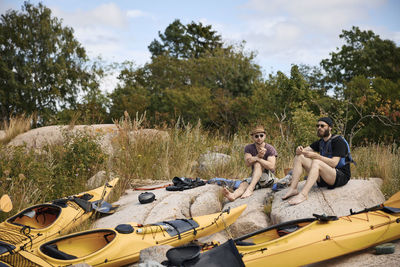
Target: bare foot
297, 199
228, 194
291, 192
247, 193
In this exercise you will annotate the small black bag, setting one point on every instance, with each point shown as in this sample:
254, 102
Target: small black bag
146, 197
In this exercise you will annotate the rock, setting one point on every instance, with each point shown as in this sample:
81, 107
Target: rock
39, 137
149, 264
169, 205
253, 217
155, 254
210, 161
208, 202
356, 195
99, 179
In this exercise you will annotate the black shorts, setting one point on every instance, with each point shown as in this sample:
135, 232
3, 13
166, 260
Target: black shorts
341, 179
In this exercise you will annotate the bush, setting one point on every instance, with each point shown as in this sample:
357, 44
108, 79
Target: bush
31, 177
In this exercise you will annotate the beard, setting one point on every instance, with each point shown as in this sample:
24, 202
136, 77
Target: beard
325, 133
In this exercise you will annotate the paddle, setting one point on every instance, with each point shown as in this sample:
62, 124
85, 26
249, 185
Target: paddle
5, 203
393, 201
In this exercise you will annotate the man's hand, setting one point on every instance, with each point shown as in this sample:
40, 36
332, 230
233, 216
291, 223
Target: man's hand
261, 152
310, 154
252, 160
299, 150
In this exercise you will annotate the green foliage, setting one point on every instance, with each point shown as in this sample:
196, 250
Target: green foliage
185, 41
304, 126
75, 162
364, 54
41, 63
31, 177
213, 88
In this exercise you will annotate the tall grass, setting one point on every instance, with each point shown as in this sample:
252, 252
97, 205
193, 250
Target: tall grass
15, 126
382, 161
159, 154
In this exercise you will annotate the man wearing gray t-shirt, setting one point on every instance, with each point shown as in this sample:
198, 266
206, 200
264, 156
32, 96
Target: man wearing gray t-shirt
261, 157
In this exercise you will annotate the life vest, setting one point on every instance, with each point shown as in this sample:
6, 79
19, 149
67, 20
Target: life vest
325, 149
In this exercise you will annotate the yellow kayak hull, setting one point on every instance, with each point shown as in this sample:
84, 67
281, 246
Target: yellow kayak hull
318, 240
30, 228
109, 247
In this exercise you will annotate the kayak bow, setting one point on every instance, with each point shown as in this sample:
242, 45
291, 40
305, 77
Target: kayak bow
35, 225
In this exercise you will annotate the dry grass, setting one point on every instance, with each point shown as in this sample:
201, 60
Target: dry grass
17, 125
379, 161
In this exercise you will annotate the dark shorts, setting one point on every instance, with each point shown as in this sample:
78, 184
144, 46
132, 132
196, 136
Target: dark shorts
341, 179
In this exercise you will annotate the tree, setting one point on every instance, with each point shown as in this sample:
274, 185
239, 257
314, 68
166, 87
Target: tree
42, 65
185, 41
364, 54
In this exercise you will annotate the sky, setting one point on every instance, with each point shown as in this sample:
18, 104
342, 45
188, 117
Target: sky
281, 32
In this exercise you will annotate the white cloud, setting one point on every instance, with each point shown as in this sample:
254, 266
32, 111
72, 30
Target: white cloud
135, 13
298, 31
109, 15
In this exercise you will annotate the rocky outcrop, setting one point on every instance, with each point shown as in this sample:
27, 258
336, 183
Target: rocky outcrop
156, 254
107, 133
40, 137
169, 205
253, 217
210, 161
356, 195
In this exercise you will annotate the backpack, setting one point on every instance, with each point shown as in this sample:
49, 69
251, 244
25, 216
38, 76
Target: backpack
325, 149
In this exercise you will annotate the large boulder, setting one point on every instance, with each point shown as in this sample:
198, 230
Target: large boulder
356, 195
169, 205
155, 254
107, 133
212, 160
254, 216
40, 137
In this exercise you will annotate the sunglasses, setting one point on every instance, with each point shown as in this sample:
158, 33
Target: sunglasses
258, 135
320, 125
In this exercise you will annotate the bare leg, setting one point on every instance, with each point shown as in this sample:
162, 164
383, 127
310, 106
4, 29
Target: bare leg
318, 168
257, 172
237, 193
299, 163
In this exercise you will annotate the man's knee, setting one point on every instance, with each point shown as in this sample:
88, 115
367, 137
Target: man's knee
257, 165
299, 158
316, 164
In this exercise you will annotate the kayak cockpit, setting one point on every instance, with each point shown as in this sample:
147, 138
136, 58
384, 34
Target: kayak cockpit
79, 245
36, 217
273, 232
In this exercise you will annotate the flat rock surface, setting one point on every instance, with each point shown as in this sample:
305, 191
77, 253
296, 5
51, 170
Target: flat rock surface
356, 195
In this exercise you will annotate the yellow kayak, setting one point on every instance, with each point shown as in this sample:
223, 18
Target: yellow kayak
35, 225
122, 245
307, 241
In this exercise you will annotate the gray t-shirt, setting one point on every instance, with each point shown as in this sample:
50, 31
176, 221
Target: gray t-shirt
252, 150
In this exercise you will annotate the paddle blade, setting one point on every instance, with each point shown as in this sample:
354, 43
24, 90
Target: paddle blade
393, 201
5, 203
